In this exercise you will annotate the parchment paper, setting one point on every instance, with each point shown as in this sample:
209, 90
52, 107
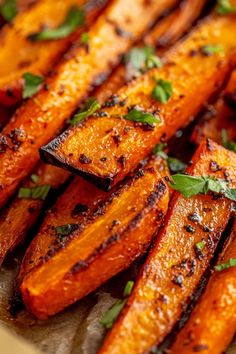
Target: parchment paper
76, 331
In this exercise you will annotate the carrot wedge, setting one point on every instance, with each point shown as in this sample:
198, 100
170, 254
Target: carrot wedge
23, 212
212, 324
218, 117
36, 57
118, 232
44, 115
165, 33
174, 266
194, 78
74, 207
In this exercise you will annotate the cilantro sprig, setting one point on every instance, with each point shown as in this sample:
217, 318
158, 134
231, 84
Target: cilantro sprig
231, 263
142, 117
74, 18
189, 186
111, 315
224, 7
162, 91
32, 84
8, 10
89, 108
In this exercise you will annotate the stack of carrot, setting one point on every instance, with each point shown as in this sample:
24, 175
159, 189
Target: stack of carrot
98, 88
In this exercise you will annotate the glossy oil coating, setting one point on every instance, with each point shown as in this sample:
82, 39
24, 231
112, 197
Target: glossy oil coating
41, 117
174, 268
37, 57
195, 77
212, 324
119, 232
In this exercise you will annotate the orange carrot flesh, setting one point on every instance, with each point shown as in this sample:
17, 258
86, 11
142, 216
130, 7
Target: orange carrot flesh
174, 269
220, 116
45, 114
194, 78
23, 213
109, 242
212, 325
36, 57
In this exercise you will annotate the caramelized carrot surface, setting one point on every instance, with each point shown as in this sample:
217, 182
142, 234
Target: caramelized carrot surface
212, 325
36, 57
194, 77
218, 117
22, 214
174, 266
118, 232
41, 117
165, 33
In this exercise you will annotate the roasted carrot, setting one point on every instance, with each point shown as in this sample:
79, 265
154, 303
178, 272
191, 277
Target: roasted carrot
166, 32
212, 324
218, 117
194, 77
37, 57
74, 207
174, 266
23, 212
118, 232
43, 115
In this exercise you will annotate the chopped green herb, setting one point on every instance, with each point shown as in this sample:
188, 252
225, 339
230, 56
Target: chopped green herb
228, 144
200, 246
8, 10
84, 38
175, 165
128, 288
89, 108
142, 117
39, 192
224, 7
65, 230
32, 84
162, 91
189, 186
231, 263
212, 49
34, 178
111, 315
74, 18
138, 60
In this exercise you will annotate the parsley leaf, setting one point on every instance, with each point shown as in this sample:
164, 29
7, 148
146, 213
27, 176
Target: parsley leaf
228, 144
224, 7
231, 263
111, 315
142, 117
162, 91
88, 109
39, 192
175, 165
189, 186
138, 60
74, 18
212, 49
8, 10
32, 84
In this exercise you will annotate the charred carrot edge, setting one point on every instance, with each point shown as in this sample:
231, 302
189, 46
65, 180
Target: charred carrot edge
174, 266
165, 33
42, 116
219, 116
74, 207
36, 57
192, 87
119, 232
212, 325
23, 213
